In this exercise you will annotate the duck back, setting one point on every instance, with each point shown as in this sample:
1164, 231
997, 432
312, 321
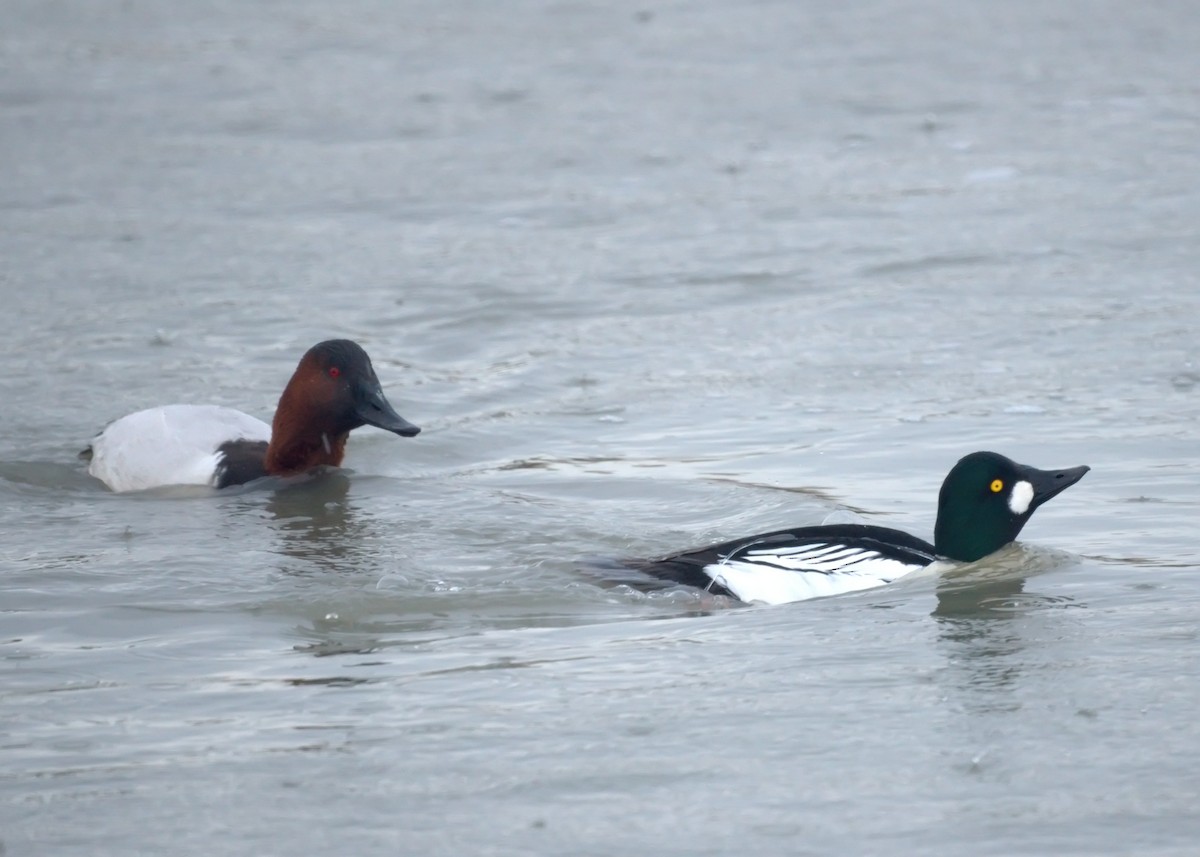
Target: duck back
170, 445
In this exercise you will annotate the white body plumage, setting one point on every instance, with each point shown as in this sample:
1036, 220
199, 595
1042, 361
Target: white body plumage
169, 445
782, 574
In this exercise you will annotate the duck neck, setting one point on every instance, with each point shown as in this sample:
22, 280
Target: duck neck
302, 453
965, 533
303, 437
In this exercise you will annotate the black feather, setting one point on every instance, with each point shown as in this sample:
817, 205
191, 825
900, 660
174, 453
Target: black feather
242, 461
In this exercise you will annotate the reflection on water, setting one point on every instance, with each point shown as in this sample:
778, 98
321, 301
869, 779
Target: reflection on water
321, 532
967, 599
982, 647
317, 522
976, 608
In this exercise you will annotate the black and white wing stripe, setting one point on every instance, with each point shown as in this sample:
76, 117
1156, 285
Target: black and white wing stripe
794, 565
779, 574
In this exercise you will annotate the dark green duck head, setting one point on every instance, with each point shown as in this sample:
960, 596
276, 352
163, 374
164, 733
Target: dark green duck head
986, 500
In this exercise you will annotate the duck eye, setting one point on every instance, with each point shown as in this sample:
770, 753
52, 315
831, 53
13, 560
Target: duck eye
334, 371
997, 486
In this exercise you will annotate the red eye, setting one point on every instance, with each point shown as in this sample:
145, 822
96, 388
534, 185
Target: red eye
334, 371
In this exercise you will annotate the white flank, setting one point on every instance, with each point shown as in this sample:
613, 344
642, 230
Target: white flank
171, 445
799, 572
1020, 498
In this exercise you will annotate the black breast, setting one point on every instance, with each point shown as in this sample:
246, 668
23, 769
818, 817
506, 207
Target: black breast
242, 461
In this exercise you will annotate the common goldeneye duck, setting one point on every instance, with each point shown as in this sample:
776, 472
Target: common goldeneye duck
985, 501
333, 391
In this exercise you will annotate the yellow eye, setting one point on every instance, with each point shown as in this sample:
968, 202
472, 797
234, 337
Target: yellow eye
997, 486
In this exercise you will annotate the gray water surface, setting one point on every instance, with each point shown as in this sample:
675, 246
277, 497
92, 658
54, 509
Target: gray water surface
649, 277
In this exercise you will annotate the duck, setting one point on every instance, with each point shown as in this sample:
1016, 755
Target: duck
984, 502
333, 391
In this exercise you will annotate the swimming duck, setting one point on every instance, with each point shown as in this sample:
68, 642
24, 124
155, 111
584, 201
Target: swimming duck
333, 391
985, 501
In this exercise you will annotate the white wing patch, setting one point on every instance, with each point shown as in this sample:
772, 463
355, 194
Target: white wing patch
778, 575
171, 445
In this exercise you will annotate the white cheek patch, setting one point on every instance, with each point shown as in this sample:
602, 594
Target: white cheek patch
1020, 498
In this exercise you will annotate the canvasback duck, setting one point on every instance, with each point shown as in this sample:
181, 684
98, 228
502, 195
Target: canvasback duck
333, 391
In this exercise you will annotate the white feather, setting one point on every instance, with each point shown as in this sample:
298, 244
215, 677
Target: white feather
798, 572
171, 445
1020, 498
